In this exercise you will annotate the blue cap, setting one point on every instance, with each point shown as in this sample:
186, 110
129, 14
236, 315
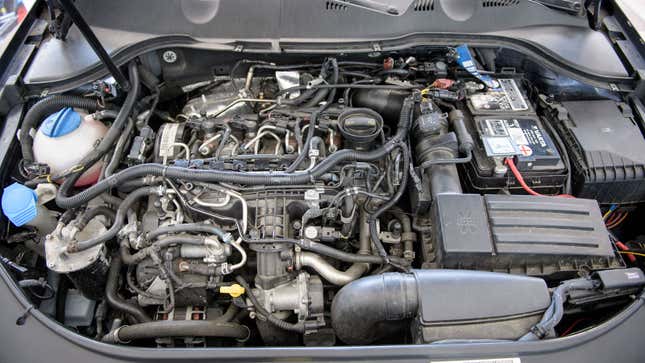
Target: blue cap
19, 204
61, 123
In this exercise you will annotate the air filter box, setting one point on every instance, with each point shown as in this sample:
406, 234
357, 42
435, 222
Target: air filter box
606, 148
536, 236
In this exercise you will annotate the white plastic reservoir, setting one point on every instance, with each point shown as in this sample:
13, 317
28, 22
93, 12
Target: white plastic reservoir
64, 138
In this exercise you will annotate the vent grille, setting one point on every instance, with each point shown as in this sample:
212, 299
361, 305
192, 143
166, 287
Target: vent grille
423, 5
335, 6
499, 3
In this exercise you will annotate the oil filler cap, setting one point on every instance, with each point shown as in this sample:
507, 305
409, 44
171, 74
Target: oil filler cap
19, 204
61, 123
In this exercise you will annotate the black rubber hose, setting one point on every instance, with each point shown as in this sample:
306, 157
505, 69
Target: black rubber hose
119, 149
178, 329
314, 116
297, 327
94, 212
466, 143
61, 298
129, 258
232, 177
317, 94
44, 108
389, 204
404, 122
371, 308
306, 145
324, 92
119, 221
555, 311
112, 297
230, 313
222, 176
110, 137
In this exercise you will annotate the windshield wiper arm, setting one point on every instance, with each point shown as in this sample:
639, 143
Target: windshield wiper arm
75, 17
391, 8
572, 6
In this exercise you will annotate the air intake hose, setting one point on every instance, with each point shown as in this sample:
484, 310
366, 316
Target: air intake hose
373, 307
380, 306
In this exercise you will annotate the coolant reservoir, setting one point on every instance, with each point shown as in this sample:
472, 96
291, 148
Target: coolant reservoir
64, 138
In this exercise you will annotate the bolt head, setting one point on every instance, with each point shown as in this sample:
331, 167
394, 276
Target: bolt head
169, 56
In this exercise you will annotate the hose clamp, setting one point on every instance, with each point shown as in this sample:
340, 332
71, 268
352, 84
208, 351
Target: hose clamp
539, 331
115, 336
248, 335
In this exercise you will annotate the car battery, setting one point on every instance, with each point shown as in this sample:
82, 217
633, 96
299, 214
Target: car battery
504, 125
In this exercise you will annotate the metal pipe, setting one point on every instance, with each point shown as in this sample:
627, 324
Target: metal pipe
239, 100
329, 272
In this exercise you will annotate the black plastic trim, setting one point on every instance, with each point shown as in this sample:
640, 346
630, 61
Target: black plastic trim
539, 53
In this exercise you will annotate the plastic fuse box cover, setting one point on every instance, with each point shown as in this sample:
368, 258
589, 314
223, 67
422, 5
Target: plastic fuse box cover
536, 236
607, 151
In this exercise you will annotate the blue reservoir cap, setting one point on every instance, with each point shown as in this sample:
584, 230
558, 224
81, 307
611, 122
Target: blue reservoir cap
61, 123
19, 204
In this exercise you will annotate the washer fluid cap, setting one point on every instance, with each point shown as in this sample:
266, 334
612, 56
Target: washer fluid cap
19, 204
61, 123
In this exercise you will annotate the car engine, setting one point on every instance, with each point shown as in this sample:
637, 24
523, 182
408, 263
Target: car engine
397, 198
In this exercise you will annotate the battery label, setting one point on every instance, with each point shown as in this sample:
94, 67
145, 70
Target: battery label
506, 98
516, 136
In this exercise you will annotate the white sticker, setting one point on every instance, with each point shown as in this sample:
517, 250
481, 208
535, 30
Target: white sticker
500, 145
632, 275
493, 360
167, 139
513, 95
518, 135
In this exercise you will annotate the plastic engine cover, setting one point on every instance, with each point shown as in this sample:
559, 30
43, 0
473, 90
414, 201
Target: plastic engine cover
537, 236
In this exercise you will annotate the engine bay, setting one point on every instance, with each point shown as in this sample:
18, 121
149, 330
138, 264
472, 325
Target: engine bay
443, 194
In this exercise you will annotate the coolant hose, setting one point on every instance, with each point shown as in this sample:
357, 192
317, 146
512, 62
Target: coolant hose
110, 137
220, 176
95, 212
371, 308
44, 108
112, 297
119, 220
177, 329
